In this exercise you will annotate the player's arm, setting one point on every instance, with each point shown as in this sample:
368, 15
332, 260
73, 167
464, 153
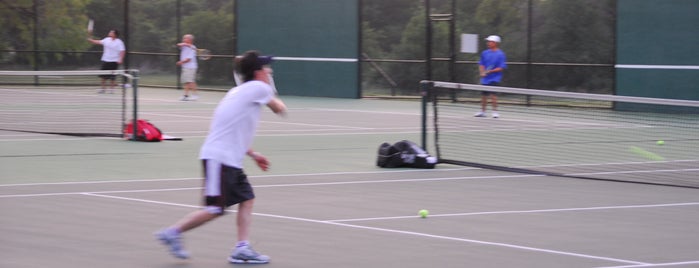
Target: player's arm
121, 56
94, 41
277, 106
260, 159
500, 66
481, 70
498, 69
179, 63
183, 61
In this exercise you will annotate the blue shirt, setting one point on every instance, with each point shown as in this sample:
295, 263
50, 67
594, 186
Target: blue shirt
490, 60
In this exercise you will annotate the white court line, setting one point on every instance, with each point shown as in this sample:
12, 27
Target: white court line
254, 177
377, 172
481, 242
363, 111
654, 264
636, 171
315, 125
282, 185
670, 67
523, 211
376, 132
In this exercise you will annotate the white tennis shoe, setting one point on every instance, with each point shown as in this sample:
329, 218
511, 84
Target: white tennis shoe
246, 254
172, 240
479, 114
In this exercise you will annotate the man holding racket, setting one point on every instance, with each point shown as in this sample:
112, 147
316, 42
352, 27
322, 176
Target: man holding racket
491, 66
112, 55
188, 62
230, 136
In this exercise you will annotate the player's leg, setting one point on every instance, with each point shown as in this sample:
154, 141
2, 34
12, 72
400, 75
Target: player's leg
494, 100
244, 219
193, 90
103, 83
215, 203
245, 198
494, 104
193, 85
187, 77
112, 85
103, 78
484, 103
110, 66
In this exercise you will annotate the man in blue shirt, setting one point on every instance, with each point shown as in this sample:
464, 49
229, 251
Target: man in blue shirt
491, 66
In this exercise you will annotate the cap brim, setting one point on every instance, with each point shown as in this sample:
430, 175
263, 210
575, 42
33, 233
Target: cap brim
264, 60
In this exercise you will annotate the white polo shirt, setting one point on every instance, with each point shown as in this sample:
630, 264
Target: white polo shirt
112, 48
189, 53
234, 123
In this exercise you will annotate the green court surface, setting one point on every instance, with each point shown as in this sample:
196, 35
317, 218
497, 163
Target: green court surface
95, 202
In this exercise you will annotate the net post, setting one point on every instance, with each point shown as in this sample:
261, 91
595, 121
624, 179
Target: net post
425, 91
135, 104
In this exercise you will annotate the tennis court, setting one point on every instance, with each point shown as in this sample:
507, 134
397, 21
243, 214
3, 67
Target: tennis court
95, 202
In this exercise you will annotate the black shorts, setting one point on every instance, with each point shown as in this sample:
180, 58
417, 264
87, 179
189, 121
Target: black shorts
487, 93
225, 186
109, 66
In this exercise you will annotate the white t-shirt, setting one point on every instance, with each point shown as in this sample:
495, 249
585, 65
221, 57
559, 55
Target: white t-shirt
189, 53
112, 48
234, 123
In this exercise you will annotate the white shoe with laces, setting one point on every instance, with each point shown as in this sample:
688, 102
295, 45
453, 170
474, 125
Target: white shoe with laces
479, 114
246, 254
172, 240
496, 115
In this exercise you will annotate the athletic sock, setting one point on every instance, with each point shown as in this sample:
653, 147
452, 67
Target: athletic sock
243, 243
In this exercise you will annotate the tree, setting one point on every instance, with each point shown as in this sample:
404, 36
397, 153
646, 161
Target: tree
62, 27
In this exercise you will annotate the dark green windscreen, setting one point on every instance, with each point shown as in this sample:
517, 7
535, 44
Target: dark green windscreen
315, 42
657, 45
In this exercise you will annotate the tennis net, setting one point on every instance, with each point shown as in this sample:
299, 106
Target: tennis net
67, 102
567, 134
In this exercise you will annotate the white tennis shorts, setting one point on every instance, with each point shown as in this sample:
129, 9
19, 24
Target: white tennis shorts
188, 75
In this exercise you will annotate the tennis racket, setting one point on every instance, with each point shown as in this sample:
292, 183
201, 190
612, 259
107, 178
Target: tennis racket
203, 54
90, 27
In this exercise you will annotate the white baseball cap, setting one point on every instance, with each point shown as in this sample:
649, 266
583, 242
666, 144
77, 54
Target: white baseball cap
493, 38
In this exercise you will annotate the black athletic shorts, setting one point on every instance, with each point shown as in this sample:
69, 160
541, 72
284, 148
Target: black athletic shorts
109, 66
486, 93
225, 186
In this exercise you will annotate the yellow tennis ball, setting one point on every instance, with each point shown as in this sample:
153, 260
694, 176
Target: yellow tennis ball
423, 213
660, 142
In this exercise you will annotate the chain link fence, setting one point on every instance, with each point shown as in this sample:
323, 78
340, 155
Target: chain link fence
556, 45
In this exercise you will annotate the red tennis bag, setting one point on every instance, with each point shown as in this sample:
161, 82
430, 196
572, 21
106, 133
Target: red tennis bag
146, 131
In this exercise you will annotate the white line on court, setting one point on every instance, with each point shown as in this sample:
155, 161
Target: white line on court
254, 177
380, 172
654, 265
315, 125
523, 211
496, 244
283, 185
340, 134
670, 67
362, 111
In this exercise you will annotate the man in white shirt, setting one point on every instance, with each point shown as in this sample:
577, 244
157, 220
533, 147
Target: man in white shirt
231, 134
112, 55
188, 62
